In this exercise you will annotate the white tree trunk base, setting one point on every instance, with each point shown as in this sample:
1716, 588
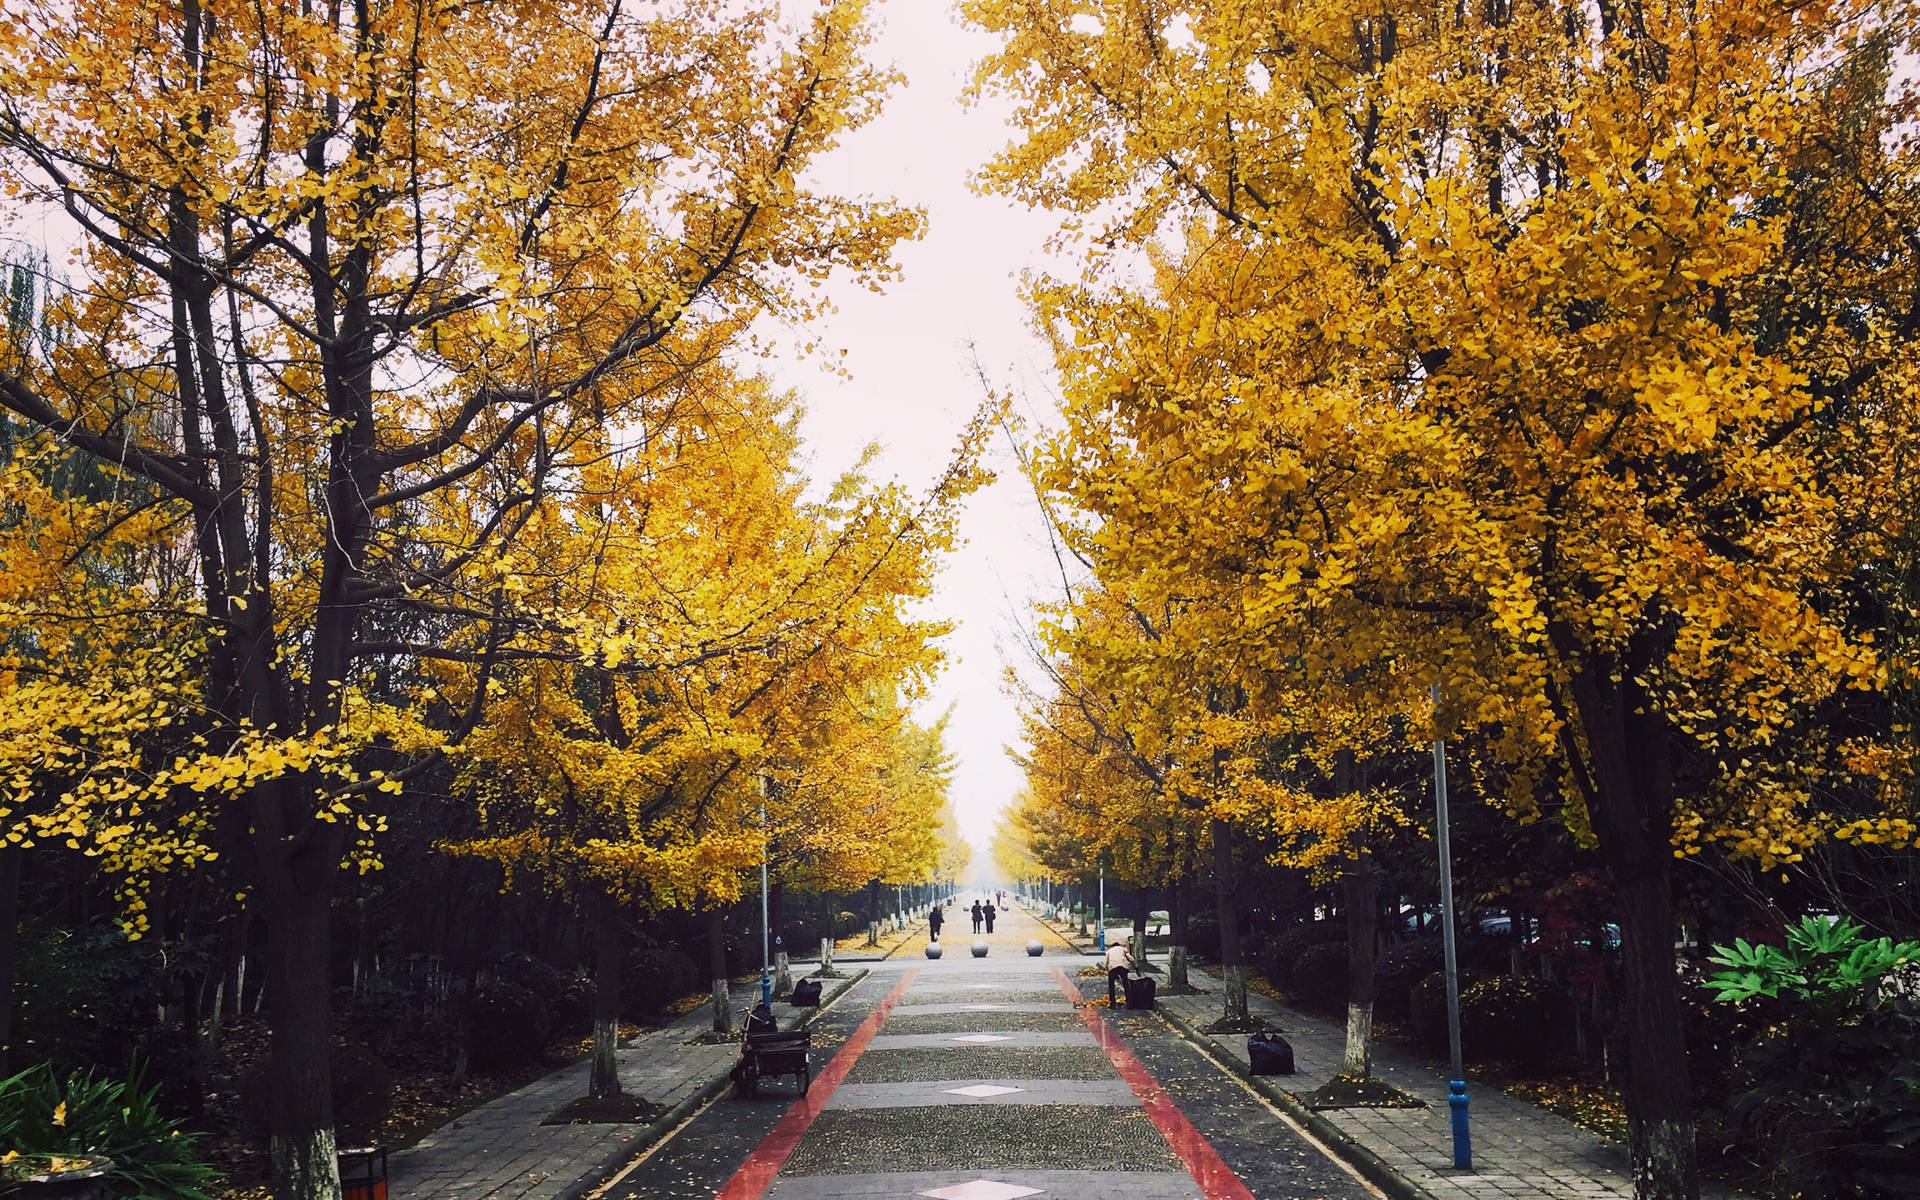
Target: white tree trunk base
604, 1078
1358, 1061
307, 1168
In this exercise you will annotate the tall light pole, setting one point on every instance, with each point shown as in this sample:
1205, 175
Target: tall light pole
1457, 1085
1100, 922
766, 932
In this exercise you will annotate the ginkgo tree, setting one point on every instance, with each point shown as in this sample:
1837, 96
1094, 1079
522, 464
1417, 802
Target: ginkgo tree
1554, 354
697, 665
333, 262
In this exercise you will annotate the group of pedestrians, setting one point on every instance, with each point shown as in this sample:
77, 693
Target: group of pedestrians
983, 913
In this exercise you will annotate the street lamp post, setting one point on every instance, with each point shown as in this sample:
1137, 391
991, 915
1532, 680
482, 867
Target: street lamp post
766, 932
1100, 922
1457, 1085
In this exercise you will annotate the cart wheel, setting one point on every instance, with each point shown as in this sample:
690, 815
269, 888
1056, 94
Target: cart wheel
806, 1079
747, 1083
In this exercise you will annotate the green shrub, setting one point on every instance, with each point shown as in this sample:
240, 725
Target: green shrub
656, 975
1274, 959
541, 978
1398, 971
82, 998
1827, 1094
1427, 1012
87, 1114
507, 1025
1832, 1108
1520, 1020
383, 1011
573, 1004
1318, 978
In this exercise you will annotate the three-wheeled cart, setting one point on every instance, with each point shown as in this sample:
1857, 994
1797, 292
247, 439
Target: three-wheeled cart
766, 1052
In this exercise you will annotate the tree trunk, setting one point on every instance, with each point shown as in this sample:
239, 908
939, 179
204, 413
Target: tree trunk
303, 1149
717, 971
1632, 814
228, 973
608, 962
10, 861
1233, 969
1362, 918
1177, 905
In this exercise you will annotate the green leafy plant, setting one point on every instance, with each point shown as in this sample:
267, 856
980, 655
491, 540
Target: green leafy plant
86, 1114
1822, 960
1827, 1092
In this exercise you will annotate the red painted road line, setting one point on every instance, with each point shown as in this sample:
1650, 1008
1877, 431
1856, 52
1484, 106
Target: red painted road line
773, 1151
1216, 1179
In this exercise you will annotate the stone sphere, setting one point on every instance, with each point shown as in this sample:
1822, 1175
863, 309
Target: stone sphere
979, 949
933, 949
1034, 948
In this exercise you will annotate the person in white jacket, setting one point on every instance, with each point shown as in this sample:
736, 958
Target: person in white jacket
1119, 965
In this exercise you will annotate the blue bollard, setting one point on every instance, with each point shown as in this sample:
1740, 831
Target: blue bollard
1462, 1136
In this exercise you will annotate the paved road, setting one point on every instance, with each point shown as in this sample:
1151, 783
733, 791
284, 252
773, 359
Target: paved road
987, 1079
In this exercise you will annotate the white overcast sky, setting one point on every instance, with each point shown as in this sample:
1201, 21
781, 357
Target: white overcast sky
912, 384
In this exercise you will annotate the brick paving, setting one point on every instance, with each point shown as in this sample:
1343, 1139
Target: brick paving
501, 1151
1520, 1149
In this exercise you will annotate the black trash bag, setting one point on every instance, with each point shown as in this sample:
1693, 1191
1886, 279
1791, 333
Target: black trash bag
806, 993
1269, 1054
1140, 991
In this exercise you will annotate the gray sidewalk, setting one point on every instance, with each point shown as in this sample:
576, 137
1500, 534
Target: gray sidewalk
1520, 1150
501, 1151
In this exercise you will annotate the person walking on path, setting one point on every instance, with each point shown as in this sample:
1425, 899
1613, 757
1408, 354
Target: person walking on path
934, 920
1119, 965
979, 915
990, 910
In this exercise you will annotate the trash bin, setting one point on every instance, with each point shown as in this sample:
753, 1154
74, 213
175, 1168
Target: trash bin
363, 1173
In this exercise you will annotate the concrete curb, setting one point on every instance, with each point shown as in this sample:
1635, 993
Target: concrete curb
656, 1130
1356, 1155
